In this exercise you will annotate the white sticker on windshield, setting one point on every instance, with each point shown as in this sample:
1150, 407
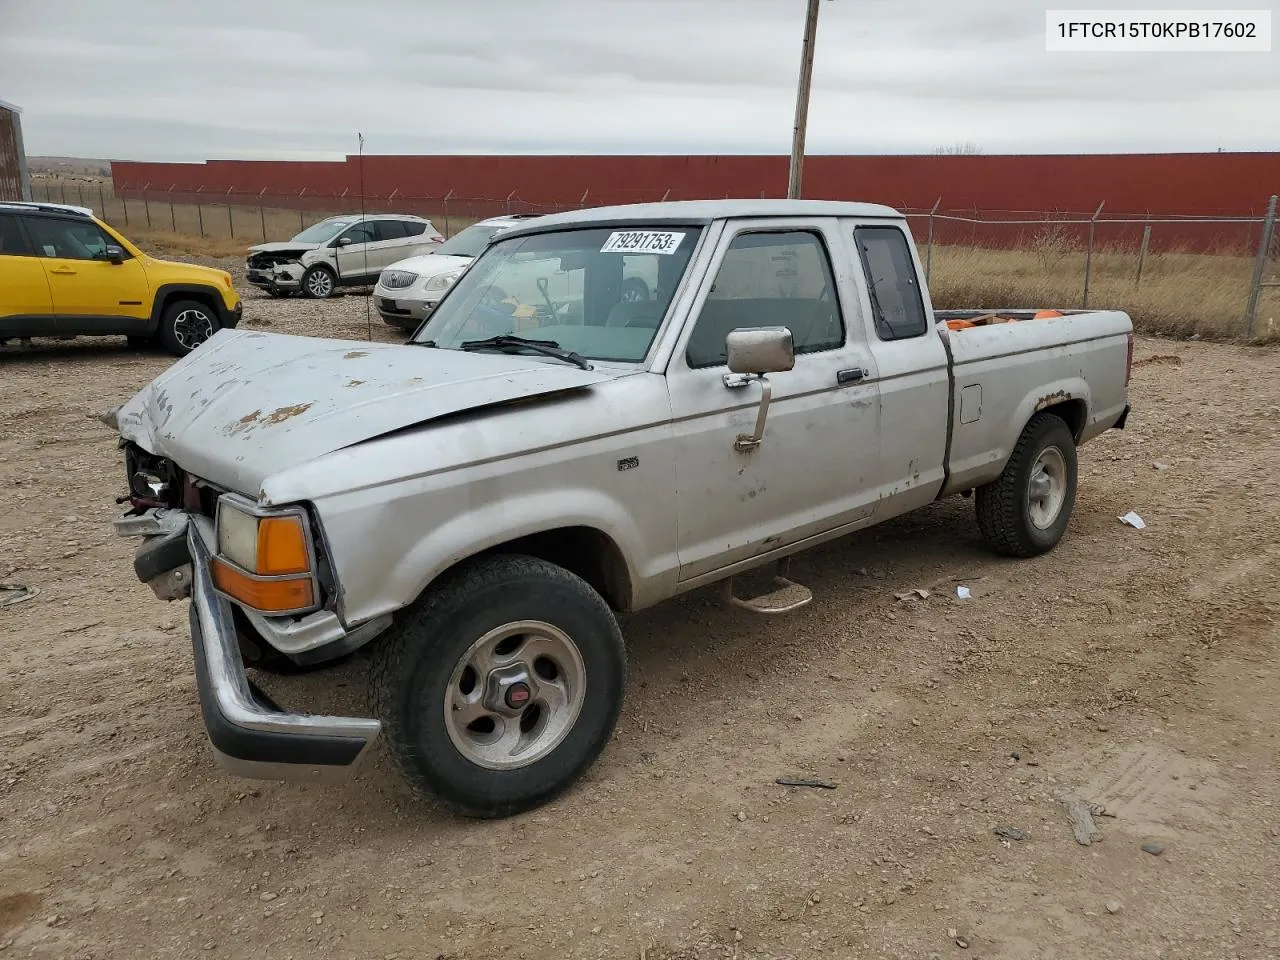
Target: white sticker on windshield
642, 241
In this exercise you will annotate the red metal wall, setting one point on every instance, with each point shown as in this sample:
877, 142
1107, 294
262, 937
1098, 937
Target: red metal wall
1134, 185
1206, 184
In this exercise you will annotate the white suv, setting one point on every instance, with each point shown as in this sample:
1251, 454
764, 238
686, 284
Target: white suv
409, 289
346, 250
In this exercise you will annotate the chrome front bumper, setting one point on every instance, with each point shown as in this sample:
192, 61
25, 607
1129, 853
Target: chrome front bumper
250, 738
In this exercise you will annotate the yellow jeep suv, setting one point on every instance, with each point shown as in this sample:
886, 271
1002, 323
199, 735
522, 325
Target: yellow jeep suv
64, 273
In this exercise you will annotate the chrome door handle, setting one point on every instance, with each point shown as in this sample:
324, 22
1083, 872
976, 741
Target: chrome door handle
852, 375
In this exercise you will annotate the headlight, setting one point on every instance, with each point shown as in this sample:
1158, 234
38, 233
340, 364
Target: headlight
265, 560
397, 279
442, 281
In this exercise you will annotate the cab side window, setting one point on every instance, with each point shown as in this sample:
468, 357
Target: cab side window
67, 239
767, 279
13, 242
896, 304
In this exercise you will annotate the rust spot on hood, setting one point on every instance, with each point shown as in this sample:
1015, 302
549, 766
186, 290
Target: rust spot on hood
355, 353
282, 414
244, 423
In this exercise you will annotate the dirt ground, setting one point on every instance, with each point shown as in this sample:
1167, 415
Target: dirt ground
1136, 669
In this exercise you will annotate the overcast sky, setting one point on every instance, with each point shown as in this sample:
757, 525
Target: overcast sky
178, 80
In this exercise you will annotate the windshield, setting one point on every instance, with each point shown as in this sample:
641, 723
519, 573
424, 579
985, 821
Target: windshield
598, 292
469, 243
323, 231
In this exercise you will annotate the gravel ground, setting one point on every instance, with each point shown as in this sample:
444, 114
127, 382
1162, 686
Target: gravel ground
1136, 669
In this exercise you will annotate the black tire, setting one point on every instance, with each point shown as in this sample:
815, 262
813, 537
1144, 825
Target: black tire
634, 290
185, 325
1003, 506
314, 286
413, 665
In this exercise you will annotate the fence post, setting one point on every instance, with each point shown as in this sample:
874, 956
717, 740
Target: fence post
173, 219
928, 257
1259, 268
447, 233
124, 202
102, 202
62, 190
80, 191
262, 217
301, 194
231, 224
146, 202
509, 196
665, 195
1088, 257
1142, 254
200, 209
583, 202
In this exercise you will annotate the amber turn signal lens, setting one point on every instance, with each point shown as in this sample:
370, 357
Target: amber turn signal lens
282, 546
269, 596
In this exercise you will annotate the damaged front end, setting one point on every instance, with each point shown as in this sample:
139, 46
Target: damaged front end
276, 271
183, 555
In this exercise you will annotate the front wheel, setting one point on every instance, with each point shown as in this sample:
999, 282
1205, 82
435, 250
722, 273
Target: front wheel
500, 686
318, 283
185, 325
1024, 512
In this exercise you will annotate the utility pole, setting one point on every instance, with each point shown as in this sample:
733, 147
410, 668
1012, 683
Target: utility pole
802, 103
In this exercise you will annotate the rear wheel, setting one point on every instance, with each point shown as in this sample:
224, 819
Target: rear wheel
500, 686
185, 325
1025, 511
318, 283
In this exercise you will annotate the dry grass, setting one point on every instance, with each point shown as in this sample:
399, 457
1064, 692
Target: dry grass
1181, 294
162, 243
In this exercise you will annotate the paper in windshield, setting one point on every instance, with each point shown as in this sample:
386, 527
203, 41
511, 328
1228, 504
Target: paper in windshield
642, 241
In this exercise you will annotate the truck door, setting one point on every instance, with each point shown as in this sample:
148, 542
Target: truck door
912, 363
814, 470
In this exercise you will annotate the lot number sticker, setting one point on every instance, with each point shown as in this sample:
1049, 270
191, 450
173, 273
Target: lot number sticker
642, 241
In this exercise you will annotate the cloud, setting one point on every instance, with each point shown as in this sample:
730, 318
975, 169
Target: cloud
148, 79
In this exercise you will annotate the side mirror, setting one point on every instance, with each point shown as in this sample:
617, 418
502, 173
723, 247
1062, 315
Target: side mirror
752, 352
760, 350
344, 242
114, 254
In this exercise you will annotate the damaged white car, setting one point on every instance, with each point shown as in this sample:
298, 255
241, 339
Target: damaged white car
341, 251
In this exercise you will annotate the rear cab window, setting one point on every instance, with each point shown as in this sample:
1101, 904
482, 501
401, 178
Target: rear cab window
897, 306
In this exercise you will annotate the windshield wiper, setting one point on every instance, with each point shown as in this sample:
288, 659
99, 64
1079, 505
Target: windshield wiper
511, 342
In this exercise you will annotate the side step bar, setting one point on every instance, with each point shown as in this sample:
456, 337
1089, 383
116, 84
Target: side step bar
789, 595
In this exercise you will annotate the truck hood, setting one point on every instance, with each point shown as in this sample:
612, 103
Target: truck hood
284, 246
247, 405
430, 264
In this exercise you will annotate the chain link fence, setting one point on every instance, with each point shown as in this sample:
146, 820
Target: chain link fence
1176, 275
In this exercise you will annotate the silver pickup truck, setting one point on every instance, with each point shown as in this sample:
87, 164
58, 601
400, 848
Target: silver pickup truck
476, 505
